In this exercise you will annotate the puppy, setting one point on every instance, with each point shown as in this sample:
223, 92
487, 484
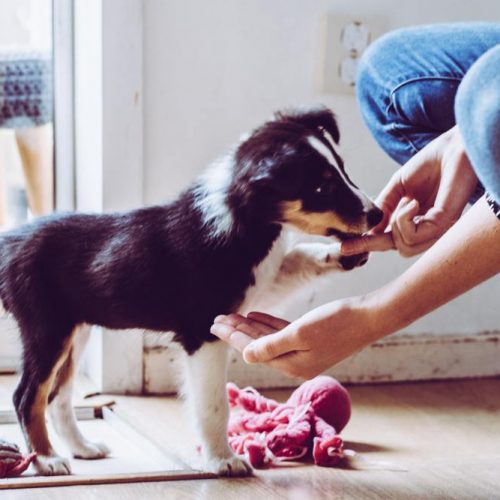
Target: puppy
213, 250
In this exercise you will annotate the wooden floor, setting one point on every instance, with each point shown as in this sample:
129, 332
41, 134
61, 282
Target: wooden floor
428, 440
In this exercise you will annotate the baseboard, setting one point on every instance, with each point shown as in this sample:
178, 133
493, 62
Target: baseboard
396, 359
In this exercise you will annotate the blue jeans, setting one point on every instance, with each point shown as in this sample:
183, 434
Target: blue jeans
416, 83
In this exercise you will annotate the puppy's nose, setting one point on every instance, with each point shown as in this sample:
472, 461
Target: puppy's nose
374, 216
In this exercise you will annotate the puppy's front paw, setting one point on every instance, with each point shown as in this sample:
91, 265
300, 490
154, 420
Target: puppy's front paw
329, 256
348, 262
52, 465
91, 451
333, 259
230, 466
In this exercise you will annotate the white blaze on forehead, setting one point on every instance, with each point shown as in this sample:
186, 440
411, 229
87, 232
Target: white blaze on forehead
323, 150
328, 137
211, 195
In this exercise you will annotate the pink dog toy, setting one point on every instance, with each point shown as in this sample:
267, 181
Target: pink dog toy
308, 424
12, 462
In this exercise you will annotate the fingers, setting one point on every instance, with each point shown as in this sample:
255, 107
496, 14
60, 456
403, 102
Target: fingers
252, 327
409, 250
267, 319
368, 243
412, 234
403, 220
233, 337
268, 348
388, 200
250, 335
239, 331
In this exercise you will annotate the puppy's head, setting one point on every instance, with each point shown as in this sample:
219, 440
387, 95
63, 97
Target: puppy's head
291, 170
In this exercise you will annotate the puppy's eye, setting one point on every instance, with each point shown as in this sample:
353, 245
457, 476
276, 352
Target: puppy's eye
326, 187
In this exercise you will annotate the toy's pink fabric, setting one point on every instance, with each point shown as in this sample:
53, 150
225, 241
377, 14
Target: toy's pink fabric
328, 397
12, 462
306, 425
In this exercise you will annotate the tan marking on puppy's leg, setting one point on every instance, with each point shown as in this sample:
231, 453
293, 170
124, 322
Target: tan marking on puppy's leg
35, 427
64, 374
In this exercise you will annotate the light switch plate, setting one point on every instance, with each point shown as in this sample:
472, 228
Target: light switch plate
342, 53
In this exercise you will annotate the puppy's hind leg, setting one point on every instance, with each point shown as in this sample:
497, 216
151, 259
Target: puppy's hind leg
60, 402
205, 384
44, 355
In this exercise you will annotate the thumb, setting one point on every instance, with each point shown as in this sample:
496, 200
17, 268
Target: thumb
416, 229
404, 218
388, 201
269, 347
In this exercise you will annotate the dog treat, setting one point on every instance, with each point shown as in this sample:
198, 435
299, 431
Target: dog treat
12, 462
305, 426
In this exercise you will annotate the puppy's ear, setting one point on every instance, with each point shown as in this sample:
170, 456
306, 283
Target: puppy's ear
314, 118
275, 171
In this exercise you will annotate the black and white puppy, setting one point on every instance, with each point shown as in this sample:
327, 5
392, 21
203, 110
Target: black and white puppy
213, 250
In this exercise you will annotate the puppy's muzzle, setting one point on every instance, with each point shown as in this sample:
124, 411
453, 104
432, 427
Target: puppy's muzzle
348, 262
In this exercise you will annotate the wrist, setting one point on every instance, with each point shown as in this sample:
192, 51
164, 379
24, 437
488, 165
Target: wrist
384, 314
456, 156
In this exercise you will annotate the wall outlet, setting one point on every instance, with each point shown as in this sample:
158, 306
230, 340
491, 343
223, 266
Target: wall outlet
347, 37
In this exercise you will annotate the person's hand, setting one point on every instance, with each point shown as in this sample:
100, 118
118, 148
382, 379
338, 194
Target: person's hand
316, 341
423, 199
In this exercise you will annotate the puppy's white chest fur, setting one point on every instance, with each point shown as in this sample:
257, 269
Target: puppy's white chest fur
289, 265
265, 275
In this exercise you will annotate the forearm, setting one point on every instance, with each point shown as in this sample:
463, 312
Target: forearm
466, 255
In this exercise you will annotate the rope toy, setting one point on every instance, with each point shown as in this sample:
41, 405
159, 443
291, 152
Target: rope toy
307, 425
12, 462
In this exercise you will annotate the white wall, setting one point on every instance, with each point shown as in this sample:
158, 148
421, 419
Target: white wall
213, 70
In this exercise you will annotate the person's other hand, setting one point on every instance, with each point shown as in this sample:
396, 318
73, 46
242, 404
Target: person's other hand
306, 347
423, 199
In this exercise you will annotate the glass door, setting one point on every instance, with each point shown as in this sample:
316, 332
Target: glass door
27, 168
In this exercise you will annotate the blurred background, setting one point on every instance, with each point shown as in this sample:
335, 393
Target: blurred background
26, 133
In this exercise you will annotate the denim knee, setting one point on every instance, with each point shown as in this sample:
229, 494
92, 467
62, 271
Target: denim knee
477, 109
408, 79
373, 93
404, 105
